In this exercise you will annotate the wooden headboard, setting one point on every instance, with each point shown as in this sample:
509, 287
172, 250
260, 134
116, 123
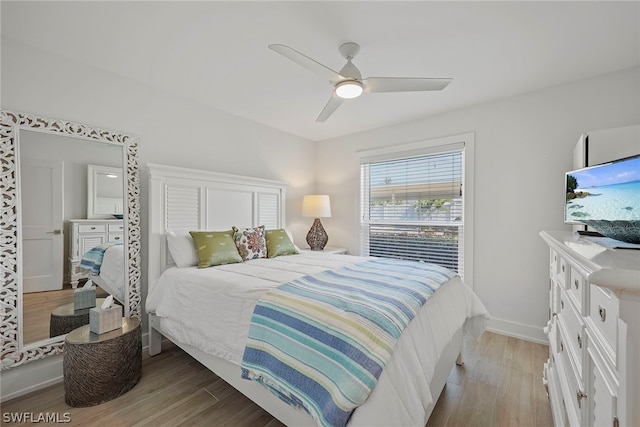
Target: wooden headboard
183, 199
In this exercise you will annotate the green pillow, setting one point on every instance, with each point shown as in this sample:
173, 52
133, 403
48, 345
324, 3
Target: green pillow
215, 248
278, 243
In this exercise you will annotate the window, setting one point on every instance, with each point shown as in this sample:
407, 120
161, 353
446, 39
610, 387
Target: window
412, 204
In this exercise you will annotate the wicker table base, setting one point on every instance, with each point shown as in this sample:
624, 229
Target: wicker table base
99, 368
65, 318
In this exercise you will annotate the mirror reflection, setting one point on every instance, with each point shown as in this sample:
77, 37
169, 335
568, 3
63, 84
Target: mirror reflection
105, 186
58, 228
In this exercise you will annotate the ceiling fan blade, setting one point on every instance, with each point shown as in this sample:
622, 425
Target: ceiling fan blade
403, 84
306, 62
331, 106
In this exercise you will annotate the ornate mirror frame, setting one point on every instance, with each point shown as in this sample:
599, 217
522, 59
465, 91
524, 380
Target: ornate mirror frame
14, 353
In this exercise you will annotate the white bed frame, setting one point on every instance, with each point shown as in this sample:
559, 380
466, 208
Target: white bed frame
186, 199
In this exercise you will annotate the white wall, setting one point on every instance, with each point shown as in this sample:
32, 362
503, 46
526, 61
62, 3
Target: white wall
172, 130
523, 146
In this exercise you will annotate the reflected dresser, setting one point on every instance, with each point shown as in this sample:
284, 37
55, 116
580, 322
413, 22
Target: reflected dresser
85, 234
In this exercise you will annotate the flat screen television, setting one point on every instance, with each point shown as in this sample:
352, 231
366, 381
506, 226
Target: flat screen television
606, 196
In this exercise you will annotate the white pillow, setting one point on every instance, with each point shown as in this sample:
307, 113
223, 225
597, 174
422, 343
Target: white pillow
291, 238
181, 248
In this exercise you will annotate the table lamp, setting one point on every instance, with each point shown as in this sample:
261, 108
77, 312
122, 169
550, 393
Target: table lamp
316, 206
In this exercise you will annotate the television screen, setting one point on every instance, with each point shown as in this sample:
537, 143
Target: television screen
609, 192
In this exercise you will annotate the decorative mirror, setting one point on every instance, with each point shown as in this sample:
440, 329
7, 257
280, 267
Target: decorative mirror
28, 228
104, 192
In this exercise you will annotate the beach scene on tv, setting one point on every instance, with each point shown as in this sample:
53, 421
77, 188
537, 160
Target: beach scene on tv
607, 192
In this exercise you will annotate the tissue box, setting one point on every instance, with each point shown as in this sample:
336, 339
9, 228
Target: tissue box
109, 319
84, 298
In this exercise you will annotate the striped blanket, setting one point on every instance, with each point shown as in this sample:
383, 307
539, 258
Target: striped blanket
92, 259
320, 342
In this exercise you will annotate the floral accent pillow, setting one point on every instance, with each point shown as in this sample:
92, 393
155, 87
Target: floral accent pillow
250, 242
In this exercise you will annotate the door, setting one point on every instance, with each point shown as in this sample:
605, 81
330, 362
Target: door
42, 224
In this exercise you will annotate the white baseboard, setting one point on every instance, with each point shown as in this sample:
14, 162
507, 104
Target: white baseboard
33, 376
36, 375
518, 330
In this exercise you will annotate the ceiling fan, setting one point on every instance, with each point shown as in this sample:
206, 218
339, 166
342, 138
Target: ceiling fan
348, 83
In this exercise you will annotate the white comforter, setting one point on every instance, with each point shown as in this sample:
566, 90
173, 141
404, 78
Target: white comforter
111, 277
211, 308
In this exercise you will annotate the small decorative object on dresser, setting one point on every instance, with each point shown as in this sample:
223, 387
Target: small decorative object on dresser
316, 206
593, 371
99, 368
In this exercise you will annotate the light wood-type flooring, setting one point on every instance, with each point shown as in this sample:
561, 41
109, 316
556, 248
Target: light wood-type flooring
37, 308
499, 385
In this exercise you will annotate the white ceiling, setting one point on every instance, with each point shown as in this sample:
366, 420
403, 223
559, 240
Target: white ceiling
216, 52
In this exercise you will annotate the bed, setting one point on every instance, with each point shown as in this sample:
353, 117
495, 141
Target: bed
207, 312
105, 265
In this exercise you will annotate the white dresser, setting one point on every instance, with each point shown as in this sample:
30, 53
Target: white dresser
593, 371
85, 234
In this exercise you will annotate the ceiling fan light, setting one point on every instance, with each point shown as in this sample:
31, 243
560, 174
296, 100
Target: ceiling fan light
349, 89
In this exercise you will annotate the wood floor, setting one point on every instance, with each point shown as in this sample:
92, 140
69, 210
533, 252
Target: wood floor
499, 385
37, 308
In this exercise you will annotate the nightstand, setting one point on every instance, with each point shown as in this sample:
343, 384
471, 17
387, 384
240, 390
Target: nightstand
329, 250
99, 368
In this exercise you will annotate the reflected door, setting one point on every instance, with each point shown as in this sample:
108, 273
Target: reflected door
42, 221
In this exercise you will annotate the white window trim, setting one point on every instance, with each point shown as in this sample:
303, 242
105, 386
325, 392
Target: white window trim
437, 145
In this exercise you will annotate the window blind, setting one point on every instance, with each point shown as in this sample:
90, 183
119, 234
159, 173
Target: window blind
412, 208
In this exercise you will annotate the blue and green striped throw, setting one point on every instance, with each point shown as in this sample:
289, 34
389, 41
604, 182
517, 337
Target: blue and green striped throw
320, 342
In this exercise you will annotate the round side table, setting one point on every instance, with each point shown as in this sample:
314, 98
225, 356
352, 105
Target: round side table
65, 319
99, 368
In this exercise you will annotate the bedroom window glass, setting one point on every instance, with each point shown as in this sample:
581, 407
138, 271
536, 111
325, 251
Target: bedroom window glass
412, 205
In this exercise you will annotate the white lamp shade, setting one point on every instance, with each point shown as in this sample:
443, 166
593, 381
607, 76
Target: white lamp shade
316, 206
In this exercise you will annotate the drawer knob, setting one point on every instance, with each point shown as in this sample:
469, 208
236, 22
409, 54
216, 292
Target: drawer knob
562, 304
603, 313
579, 341
116, 238
563, 268
576, 283
579, 396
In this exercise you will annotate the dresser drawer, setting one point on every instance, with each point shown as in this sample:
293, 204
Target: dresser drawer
603, 391
558, 266
118, 228
603, 312
576, 288
573, 327
554, 262
570, 384
116, 237
92, 228
556, 297
563, 269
